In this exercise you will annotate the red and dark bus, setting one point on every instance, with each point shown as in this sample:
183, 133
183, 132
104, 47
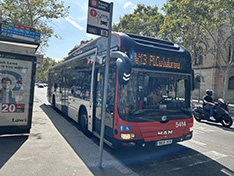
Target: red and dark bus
75, 87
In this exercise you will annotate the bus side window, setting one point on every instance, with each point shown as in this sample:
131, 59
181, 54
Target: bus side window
111, 91
55, 86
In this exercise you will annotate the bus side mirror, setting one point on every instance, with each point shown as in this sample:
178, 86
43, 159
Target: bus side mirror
124, 66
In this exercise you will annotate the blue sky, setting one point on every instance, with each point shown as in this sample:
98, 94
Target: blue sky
73, 28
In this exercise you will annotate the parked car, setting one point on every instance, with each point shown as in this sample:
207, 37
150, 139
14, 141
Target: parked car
41, 85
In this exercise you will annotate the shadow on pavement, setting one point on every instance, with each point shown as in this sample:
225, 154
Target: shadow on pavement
9, 145
172, 160
86, 148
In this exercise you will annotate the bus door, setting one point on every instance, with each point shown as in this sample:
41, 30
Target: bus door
57, 89
65, 91
109, 116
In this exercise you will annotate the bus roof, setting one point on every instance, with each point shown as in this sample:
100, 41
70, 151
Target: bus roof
122, 42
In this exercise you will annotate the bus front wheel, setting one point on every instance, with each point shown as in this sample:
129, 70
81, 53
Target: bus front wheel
84, 122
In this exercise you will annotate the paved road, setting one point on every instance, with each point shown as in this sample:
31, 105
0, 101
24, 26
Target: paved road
210, 152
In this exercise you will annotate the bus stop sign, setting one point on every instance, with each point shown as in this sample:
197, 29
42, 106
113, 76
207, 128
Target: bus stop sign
98, 17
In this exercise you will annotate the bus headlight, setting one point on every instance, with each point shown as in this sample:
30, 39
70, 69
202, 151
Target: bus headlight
127, 136
190, 129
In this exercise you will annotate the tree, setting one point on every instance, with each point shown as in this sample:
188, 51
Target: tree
34, 14
192, 22
145, 20
42, 71
182, 25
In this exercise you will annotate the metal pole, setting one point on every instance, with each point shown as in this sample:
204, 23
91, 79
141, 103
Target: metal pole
105, 88
200, 85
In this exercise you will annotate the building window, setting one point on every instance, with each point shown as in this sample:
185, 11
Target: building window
197, 82
198, 60
230, 53
231, 83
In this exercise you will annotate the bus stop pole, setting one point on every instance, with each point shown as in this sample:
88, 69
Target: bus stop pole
105, 88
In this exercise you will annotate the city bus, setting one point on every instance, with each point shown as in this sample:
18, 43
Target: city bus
138, 64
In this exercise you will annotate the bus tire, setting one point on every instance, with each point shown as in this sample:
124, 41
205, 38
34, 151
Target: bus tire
84, 122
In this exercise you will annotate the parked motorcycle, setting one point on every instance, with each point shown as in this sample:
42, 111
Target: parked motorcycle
221, 114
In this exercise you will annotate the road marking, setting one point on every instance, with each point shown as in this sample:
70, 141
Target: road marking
197, 142
227, 172
203, 130
200, 159
192, 160
214, 155
198, 132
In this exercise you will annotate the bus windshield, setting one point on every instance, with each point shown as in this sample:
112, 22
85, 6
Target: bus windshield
149, 95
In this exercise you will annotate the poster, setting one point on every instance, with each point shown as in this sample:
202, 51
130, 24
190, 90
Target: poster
15, 78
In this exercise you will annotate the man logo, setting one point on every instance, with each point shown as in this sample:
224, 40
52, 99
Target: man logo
162, 133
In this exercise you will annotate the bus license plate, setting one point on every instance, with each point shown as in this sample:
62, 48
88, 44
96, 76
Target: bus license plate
164, 142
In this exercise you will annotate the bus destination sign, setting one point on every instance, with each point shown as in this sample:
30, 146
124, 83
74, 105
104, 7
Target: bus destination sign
143, 59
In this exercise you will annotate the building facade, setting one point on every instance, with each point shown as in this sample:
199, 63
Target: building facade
209, 73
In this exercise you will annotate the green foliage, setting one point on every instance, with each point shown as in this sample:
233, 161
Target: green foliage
145, 20
182, 24
42, 71
193, 23
210, 23
34, 14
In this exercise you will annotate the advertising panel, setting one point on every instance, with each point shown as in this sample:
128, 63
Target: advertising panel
15, 88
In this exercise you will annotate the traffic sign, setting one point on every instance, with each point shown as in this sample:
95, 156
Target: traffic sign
98, 17
93, 3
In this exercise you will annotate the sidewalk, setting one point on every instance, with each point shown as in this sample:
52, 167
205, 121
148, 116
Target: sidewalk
54, 147
44, 152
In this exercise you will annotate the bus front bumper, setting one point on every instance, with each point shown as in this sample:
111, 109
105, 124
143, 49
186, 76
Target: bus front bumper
141, 143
